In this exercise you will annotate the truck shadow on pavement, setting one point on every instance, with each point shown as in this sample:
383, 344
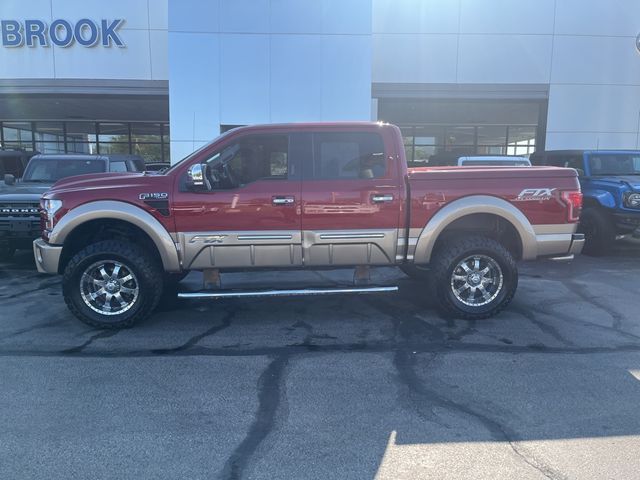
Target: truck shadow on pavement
359, 385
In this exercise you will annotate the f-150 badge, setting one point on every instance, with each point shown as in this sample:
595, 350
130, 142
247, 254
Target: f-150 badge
154, 196
536, 194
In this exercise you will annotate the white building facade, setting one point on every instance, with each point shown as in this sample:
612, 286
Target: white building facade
458, 76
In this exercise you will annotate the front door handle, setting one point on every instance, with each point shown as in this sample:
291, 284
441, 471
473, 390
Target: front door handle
381, 198
283, 200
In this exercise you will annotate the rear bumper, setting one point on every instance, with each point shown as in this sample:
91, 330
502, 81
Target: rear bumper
560, 245
575, 248
577, 244
47, 256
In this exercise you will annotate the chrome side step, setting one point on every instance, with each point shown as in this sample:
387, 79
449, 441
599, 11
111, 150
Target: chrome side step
285, 293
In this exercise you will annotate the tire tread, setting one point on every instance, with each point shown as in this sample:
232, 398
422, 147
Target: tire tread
444, 256
143, 262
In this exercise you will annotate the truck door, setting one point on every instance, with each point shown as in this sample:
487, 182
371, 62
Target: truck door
351, 199
250, 214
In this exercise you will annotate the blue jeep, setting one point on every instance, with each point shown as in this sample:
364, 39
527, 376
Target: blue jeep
610, 181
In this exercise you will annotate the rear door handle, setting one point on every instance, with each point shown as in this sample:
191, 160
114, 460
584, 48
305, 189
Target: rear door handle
381, 198
283, 200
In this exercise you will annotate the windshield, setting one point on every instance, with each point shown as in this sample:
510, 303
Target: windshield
51, 170
615, 164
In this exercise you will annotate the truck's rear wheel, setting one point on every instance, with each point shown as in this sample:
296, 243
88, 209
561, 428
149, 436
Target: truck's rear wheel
473, 277
599, 231
112, 284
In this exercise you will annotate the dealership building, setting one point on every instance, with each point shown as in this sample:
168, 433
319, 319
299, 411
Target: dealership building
160, 78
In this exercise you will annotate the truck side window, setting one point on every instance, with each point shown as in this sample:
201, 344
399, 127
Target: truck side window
251, 158
118, 166
348, 156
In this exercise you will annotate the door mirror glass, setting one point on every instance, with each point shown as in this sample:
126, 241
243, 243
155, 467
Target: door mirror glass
196, 177
9, 179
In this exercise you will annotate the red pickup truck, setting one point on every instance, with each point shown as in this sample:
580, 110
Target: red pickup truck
317, 195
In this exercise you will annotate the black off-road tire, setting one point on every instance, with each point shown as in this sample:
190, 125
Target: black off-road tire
446, 259
599, 231
148, 272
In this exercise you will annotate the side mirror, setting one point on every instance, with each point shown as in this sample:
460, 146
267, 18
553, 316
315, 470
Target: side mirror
196, 178
9, 179
580, 172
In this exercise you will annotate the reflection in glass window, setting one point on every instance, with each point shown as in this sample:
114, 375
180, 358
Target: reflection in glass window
251, 158
18, 135
81, 132
117, 166
443, 144
348, 155
150, 140
113, 132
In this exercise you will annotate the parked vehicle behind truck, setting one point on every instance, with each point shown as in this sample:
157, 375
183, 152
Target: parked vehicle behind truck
20, 198
610, 181
303, 196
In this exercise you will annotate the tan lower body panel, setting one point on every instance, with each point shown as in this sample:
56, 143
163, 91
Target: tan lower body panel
202, 250
222, 249
349, 247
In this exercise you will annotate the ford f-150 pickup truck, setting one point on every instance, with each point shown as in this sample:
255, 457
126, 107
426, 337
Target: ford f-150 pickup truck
321, 195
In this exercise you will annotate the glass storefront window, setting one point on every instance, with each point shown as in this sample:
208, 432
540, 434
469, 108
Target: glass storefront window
460, 135
113, 148
81, 132
17, 135
151, 152
113, 132
82, 147
521, 140
145, 132
49, 137
443, 144
429, 135
492, 135
166, 153
150, 140
424, 153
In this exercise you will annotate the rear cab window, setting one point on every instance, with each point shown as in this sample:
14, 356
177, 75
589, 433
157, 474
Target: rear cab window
348, 156
118, 166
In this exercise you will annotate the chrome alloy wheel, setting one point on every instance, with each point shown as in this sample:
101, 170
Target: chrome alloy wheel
477, 280
109, 287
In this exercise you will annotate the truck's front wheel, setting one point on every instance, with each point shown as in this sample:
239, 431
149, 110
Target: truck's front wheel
112, 284
473, 277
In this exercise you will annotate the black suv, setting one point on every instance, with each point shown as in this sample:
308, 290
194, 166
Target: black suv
20, 199
13, 162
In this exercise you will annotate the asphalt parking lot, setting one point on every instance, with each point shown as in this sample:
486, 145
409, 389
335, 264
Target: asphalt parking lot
335, 387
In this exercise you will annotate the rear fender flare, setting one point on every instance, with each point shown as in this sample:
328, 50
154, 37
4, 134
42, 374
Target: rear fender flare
109, 209
469, 206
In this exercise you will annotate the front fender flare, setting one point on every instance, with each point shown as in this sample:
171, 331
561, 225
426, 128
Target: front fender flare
469, 206
110, 209
602, 197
